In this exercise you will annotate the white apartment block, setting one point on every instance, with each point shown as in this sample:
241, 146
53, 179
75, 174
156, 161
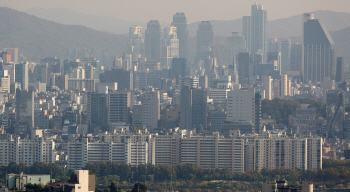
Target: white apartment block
26, 151
81, 152
239, 153
282, 151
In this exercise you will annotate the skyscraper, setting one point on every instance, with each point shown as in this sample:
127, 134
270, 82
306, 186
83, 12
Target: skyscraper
199, 109
296, 57
180, 68
246, 30
24, 111
153, 41
241, 107
150, 110
170, 48
258, 28
243, 66
205, 38
97, 110
118, 106
274, 45
274, 56
267, 86
136, 41
340, 70
318, 50
236, 44
285, 55
180, 22
22, 75
186, 108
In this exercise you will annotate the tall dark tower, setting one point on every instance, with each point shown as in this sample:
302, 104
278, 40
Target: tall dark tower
180, 22
318, 53
340, 69
258, 22
205, 38
153, 41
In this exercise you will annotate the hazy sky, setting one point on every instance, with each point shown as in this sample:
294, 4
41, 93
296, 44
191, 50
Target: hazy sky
196, 10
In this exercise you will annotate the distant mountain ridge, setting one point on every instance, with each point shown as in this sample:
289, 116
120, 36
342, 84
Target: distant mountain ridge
285, 27
38, 38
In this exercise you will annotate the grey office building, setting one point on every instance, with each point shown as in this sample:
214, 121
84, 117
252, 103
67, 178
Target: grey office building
285, 55
199, 109
22, 75
186, 108
180, 68
124, 78
153, 41
24, 111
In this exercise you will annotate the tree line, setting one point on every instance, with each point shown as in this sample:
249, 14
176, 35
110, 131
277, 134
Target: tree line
185, 175
280, 109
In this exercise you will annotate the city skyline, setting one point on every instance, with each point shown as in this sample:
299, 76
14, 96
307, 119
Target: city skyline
195, 10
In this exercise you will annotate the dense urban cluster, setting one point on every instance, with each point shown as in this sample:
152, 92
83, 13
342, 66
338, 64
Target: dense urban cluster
247, 109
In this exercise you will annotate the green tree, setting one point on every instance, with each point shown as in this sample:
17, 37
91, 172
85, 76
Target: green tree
139, 187
114, 188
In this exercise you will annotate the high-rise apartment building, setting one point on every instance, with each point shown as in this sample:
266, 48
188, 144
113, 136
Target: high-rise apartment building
14, 149
319, 58
136, 41
180, 22
126, 151
150, 110
239, 153
258, 21
282, 151
153, 41
205, 38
